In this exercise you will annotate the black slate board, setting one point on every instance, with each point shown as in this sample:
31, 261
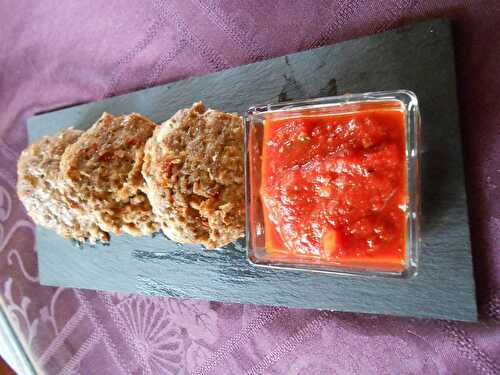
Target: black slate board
419, 58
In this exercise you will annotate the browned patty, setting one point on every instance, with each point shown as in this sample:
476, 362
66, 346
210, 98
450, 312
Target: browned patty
103, 170
43, 193
193, 167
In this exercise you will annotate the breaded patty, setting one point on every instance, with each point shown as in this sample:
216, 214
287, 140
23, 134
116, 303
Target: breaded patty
193, 167
42, 192
103, 168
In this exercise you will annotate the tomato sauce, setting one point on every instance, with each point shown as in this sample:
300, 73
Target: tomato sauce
334, 188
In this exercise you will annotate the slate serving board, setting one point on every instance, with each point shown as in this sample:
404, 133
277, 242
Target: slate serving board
420, 58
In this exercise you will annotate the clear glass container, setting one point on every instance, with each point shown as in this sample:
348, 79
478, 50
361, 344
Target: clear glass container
255, 121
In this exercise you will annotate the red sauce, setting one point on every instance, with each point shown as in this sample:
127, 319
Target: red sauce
334, 188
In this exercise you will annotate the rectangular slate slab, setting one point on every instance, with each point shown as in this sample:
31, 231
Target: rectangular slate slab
419, 58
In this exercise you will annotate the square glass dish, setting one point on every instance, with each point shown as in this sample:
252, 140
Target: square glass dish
333, 184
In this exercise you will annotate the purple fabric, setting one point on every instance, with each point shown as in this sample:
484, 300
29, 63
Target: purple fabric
56, 53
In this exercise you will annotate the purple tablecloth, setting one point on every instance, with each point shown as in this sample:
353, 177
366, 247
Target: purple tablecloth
56, 53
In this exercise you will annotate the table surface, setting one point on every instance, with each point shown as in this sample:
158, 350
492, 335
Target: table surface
54, 54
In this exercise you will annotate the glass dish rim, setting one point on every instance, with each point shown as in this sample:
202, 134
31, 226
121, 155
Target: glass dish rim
410, 105
407, 97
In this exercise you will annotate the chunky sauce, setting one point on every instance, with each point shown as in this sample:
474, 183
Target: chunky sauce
334, 188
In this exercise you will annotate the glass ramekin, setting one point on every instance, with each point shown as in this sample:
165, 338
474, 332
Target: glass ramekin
254, 125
